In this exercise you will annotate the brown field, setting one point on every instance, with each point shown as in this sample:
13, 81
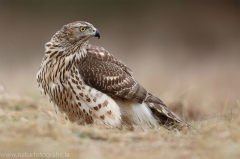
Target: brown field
31, 125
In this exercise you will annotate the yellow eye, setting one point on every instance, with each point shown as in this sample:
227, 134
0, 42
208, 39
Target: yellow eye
82, 29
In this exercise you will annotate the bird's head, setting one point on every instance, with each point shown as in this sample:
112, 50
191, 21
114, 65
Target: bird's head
77, 32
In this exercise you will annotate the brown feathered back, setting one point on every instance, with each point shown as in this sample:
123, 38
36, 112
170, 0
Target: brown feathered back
104, 72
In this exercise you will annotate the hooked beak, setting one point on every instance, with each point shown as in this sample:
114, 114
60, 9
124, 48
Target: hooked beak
97, 34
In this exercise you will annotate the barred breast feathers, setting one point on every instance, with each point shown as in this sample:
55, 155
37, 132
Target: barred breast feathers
61, 82
57, 61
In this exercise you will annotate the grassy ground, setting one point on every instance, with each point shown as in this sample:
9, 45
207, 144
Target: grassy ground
31, 126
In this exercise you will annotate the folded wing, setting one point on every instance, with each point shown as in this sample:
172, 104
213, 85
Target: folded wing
104, 72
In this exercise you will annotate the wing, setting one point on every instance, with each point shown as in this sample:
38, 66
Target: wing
104, 72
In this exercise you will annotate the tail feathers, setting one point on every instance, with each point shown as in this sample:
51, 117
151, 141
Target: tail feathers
152, 99
167, 118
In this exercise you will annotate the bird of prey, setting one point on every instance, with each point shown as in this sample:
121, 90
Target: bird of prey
90, 86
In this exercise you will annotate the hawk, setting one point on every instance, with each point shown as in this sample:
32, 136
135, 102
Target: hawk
89, 85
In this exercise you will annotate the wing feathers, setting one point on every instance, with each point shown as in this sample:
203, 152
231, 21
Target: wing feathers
152, 99
107, 74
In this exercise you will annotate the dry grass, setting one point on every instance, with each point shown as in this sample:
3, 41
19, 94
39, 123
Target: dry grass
31, 125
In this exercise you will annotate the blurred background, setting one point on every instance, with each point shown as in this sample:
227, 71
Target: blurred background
185, 52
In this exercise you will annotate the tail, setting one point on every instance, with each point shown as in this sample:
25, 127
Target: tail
165, 117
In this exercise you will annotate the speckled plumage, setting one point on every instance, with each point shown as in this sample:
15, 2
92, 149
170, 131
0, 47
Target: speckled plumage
89, 85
